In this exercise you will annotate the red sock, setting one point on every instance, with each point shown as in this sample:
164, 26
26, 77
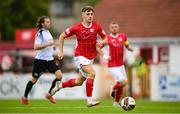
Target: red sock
116, 86
68, 83
89, 86
118, 94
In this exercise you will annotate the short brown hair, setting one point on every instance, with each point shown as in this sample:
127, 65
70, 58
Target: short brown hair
87, 8
114, 22
40, 20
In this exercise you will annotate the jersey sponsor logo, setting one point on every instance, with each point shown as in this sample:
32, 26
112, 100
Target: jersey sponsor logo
113, 41
85, 34
116, 43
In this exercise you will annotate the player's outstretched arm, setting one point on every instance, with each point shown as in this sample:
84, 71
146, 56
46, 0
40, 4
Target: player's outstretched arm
101, 53
127, 45
102, 42
61, 45
42, 46
99, 50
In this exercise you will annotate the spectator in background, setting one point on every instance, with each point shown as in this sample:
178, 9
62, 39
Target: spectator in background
141, 72
44, 59
116, 42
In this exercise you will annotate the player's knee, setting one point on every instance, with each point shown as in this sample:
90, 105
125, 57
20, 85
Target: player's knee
34, 80
92, 74
123, 83
58, 77
58, 74
79, 82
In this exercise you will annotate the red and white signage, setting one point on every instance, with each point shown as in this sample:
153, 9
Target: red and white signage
25, 35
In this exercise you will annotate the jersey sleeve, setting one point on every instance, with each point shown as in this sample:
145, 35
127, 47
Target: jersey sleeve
48, 35
70, 31
126, 42
38, 38
101, 32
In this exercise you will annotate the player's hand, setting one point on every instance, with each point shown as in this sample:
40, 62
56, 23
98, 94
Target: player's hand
60, 56
100, 44
56, 58
107, 57
130, 48
50, 43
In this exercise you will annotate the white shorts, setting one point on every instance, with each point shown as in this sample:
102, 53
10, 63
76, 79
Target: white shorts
118, 73
81, 61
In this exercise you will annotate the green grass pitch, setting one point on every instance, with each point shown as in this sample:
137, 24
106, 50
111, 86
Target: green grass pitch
79, 106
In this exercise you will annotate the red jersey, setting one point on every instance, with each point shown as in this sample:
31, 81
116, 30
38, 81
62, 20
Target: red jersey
86, 38
116, 49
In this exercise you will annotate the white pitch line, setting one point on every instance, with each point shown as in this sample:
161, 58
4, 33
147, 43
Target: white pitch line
52, 107
45, 107
88, 113
78, 107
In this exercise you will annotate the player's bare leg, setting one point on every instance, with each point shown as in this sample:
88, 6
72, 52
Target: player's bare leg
69, 83
88, 69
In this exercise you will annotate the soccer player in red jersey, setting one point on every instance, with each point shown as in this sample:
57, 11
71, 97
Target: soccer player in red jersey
85, 52
116, 42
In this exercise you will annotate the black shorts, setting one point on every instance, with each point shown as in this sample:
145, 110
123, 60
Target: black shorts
40, 66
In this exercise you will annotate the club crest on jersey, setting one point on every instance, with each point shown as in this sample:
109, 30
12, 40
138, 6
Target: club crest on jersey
120, 39
91, 30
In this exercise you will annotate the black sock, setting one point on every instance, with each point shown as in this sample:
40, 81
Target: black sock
28, 88
53, 85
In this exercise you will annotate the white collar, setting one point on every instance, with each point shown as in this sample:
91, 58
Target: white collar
86, 26
114, 36
44, 29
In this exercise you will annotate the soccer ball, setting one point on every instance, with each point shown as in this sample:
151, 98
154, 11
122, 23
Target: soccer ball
128, 103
